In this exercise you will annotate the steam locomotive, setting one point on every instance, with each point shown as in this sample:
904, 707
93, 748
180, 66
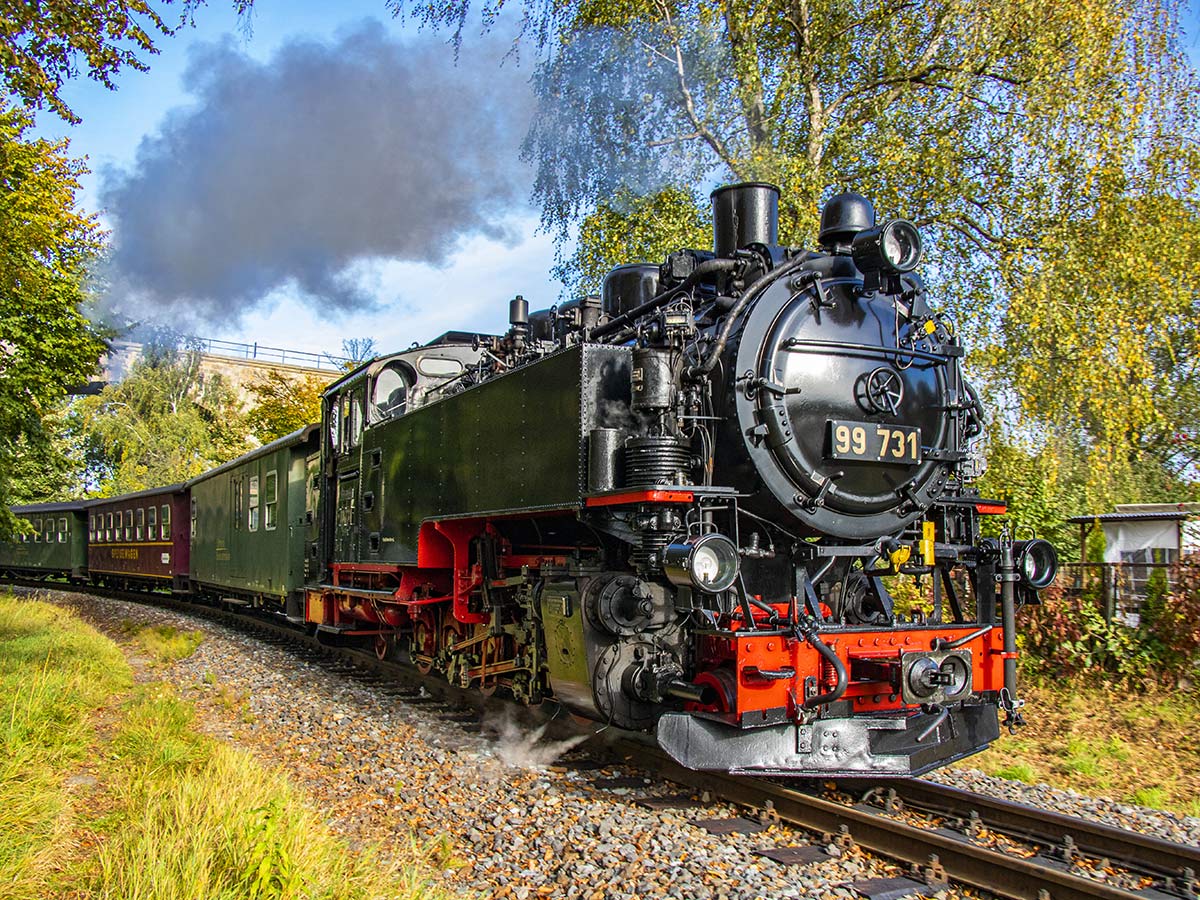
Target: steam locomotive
673, 507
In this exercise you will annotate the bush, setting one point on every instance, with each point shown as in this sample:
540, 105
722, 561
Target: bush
1067, 636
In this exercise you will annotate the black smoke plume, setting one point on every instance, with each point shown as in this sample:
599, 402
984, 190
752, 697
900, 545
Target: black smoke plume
287, 173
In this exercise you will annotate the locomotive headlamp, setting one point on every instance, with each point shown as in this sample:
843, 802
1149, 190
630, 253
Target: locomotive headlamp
1036, 562
707, 563
893, 247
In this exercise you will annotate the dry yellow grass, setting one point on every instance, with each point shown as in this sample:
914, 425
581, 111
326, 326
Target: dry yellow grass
173, 814
1138, 747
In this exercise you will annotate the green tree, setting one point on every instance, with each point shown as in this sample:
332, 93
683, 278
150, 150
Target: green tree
283, 404
44, 44
1104, 338
163, 423
1049, 151
46, 246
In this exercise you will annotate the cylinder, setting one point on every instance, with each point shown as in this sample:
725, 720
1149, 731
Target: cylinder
657, 460
589, 312
604, 444
629, 286
541, 325
518, 311
744, 214
652, 380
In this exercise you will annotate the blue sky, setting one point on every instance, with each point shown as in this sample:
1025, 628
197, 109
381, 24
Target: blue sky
414, 302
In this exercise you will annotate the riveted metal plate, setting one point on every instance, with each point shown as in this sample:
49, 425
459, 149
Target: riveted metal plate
737, 825
793, 856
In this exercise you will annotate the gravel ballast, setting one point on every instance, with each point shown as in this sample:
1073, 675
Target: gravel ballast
500, 817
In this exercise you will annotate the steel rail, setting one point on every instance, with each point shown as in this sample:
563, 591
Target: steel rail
1140, 851
1003, 874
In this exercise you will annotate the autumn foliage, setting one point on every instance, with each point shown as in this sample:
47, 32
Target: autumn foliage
1068, 637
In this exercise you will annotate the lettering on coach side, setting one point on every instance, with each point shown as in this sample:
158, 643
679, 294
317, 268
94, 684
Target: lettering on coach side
130, 553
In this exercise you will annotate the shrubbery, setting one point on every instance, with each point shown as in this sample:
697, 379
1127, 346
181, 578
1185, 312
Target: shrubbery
1067, 635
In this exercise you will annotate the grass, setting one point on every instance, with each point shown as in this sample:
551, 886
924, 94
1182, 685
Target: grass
164, 643
1138, 748
174, 814
206, 820
55, 672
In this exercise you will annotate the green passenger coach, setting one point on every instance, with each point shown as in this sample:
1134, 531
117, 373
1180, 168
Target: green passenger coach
251, 521
56, 545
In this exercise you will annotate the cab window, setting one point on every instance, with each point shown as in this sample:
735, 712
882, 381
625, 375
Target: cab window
390, 395
335, 424
356, 418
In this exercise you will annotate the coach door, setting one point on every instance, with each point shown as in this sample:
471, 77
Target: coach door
312, 524
348, 467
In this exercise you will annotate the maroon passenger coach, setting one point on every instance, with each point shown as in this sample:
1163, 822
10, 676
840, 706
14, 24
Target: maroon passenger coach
140, 538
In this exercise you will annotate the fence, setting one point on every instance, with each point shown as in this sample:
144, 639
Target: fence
258, 351
1122, 587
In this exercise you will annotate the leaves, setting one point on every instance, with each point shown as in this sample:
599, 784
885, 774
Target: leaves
1048, 150
283, 404
43, 44
46, 343
162, 424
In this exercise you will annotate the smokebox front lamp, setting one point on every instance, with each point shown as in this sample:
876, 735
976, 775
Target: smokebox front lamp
893, 247
1036, 562
707, 563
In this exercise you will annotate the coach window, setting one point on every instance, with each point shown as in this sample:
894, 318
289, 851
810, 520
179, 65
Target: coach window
49, 531
108, 532
390, 396
166, 521
141, 523
62, 531
270, 500
252, 516
239, 504
37, 531
193, 518
91, 527
129, 524
151, 523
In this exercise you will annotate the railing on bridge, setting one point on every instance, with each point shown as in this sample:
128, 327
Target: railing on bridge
256, 351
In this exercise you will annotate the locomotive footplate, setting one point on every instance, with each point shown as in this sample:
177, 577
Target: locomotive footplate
863, 746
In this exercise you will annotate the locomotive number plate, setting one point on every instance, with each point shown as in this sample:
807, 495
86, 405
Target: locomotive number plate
898, 444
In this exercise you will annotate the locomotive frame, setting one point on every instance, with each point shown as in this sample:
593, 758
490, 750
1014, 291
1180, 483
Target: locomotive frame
670, 508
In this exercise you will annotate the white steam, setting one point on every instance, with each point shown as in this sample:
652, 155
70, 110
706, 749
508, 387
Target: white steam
523, 748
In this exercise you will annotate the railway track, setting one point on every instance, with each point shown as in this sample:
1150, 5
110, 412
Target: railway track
1052, 862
